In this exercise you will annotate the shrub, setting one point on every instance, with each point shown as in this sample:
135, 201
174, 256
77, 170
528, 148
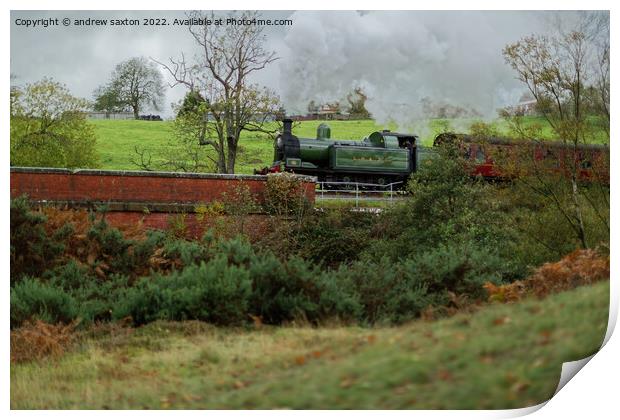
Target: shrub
236, 251
333, 237
385, 291
338, 298
214, 292
543, 232
446, 207
69, 276
285, 196
32, 299
32, 249
396, 292
184, 252
461, 269
283, 291
112, 252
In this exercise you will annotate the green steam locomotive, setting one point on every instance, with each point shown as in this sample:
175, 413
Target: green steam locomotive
384, 157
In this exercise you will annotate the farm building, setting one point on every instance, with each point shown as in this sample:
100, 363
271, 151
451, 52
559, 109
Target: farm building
526, 105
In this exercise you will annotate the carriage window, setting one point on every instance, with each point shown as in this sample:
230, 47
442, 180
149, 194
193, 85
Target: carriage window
551, 158
467, 154
480, 158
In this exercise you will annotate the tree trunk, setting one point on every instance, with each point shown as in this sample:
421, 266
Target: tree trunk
221, 162
232, 154
581, 232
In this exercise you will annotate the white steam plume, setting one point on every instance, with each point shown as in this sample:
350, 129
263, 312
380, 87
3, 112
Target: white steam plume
399, 58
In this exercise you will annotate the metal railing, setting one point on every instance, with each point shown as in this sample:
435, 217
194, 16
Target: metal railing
360, 191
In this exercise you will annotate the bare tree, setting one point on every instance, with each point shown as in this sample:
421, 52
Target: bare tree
134, 84
559, 70
227, 56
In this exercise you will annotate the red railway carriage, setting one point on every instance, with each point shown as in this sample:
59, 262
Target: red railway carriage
504, 158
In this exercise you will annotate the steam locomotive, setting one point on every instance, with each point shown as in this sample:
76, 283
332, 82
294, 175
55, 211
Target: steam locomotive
384, 157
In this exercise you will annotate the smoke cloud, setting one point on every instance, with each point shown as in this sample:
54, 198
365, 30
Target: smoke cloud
399, 58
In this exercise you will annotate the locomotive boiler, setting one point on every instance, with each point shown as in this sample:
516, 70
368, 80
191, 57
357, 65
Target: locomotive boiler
383, 157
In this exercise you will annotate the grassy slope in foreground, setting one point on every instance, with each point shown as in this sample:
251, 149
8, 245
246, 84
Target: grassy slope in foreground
503, 356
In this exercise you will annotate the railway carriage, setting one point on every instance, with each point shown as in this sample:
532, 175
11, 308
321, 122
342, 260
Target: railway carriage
504, 158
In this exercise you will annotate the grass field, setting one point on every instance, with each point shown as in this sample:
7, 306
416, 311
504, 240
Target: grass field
116, 140
503, 356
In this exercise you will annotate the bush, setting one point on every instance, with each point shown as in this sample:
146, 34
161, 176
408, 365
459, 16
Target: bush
283, 291
183, 252
32, 249
32, 299
69, 276
385, 292
285, 196
446, 208
236, 251
338, 298
543, 232
214, 292
95, 297
336, 236
396, 292
460, 269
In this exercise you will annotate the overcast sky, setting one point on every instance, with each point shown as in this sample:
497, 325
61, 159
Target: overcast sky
84, 57
452, 56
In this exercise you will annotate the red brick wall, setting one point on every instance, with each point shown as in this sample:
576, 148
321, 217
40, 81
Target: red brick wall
131, 186
129, 193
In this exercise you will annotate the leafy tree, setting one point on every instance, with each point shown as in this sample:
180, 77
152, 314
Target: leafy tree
187, 142
229, 55
49, 127
357, 103
135, 84
559, 70
107, 100
191, 104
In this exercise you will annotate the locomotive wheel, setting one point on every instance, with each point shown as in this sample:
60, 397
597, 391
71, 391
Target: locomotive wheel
347, 186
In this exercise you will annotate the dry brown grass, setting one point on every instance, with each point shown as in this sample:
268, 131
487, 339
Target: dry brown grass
579, 268
37, 340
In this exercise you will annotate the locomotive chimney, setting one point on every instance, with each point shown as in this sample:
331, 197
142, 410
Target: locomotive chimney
287, 126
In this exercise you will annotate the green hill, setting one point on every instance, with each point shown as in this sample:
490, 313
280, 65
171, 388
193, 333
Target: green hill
502, 356
117, 140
